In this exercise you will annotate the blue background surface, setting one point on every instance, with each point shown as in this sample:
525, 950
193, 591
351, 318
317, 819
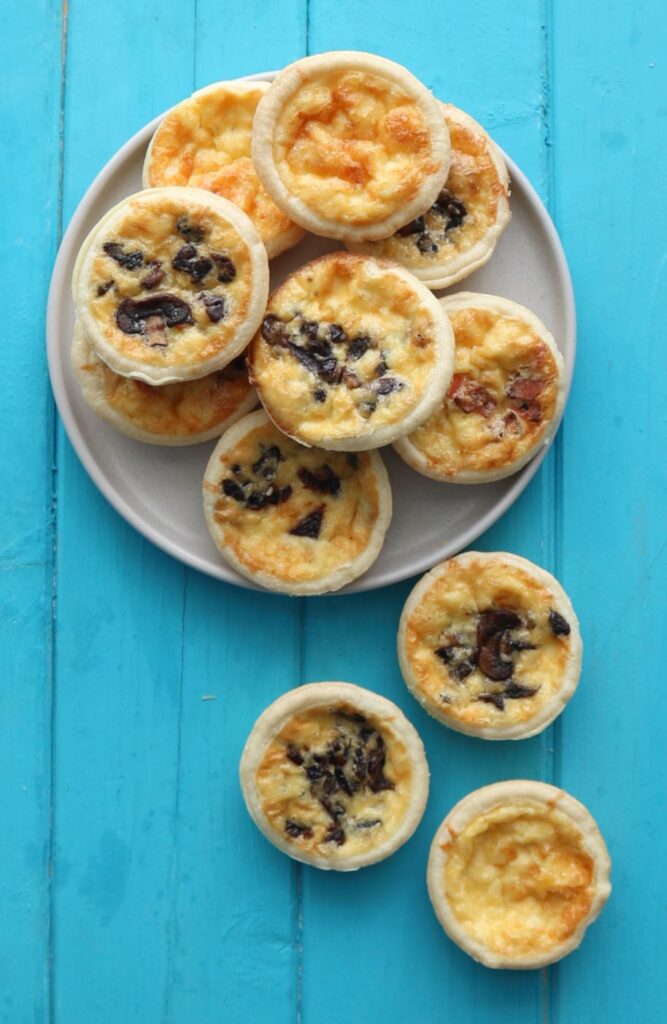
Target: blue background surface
133, 887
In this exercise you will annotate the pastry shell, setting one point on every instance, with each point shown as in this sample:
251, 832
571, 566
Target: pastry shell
566, 675
395, 182
483, 801
382, 712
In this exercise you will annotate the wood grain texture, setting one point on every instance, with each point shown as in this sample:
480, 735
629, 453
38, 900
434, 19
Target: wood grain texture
133, 886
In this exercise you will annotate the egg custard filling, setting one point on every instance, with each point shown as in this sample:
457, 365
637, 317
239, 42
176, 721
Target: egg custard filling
504, 397
519, 879
471, 208
170, 281
292, 515
334, 782
181, 413
348, 347
204, 142
489, 641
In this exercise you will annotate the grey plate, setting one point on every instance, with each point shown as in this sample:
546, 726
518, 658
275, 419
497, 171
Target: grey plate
158, 490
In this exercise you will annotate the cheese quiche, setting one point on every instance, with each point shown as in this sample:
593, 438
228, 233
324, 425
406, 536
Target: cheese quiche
517, 872
350, 145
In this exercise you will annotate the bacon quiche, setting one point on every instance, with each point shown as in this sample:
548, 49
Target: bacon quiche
334, 776
350, 145
352, 353
173, 414
171, 284
489, 644
204, 142
517, 872
457, 234
294, 519
505, 399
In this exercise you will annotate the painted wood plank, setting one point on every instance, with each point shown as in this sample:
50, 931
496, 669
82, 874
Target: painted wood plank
610, 83
235, 900
29, 186
120, 607
402, 964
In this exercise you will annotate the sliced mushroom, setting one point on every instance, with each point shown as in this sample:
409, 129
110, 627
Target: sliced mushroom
133, 314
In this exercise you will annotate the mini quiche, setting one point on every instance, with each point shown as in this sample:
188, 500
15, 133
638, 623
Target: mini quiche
489, 645
350, 145
294, 519
334, 776
517, 872
173, 414
352, 353
204, 142
505, 399
459, 232
171, 284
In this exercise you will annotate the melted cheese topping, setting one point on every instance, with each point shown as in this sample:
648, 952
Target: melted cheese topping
261, 538
492, 351
519, 879
289, 794
173, 410
475, 182
447, 616
369, 301
352, 146
148, 225
204, 142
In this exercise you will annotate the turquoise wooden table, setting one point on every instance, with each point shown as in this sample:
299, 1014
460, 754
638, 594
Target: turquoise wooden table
133, 886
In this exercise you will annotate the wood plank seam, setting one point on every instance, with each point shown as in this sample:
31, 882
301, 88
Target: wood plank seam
53, 528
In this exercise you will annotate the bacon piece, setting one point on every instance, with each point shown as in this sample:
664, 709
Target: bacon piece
524, 388
470, 396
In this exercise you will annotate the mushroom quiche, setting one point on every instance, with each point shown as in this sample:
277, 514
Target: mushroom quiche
171, 284
204, 142
489, 645
294, 519
459, 232
352, 353
350, 145
516, 873
172, 414
505, 398
334, 776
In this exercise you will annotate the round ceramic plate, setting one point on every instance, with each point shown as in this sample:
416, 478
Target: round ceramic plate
158, 490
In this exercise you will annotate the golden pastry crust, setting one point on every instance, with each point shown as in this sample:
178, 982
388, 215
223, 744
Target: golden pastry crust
204, 142
352, 353
489, 644
350, 145
505, 399
172, 414
335, 776
171, 284
294, 519
458, 234
516, 873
